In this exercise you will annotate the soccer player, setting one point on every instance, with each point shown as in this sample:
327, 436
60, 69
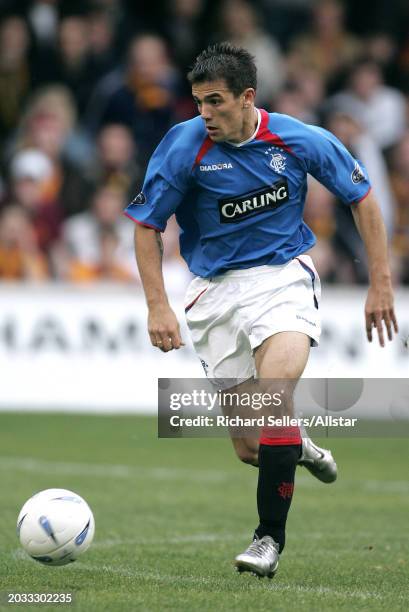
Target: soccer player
236, 177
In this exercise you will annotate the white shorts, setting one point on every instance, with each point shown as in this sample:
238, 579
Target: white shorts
230, 315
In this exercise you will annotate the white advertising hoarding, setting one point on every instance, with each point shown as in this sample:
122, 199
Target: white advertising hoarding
65, 347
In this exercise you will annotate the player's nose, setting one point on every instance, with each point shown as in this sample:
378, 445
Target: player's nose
205, 113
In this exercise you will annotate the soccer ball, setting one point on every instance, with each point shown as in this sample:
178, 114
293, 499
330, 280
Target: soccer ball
55, 526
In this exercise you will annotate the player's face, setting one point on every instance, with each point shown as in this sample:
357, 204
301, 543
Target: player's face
227, 117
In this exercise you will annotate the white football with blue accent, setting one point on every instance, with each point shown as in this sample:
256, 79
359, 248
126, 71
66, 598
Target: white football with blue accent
55, 526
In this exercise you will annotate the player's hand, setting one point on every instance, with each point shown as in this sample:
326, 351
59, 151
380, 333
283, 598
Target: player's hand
379, 312
163, 328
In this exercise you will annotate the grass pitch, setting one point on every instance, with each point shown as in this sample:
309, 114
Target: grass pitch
172, 514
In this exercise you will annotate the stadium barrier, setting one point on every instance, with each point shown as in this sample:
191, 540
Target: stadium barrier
73, 348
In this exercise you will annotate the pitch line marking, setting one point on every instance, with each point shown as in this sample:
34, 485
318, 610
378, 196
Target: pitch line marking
276, 586
29, 464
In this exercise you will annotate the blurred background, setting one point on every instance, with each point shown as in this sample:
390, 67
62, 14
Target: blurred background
88, 89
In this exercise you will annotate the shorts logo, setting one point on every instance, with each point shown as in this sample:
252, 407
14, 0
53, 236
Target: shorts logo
269, 198
205, 366
220, 166
357, 175
139, 199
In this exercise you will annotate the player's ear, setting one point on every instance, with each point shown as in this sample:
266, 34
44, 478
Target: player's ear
248, 97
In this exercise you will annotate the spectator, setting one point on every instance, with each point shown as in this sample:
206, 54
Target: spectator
183, 31
115, 160
327, 47
144, 97
289, 102
380, 108
108, 267
286, 18
353, 134
43, 20
34, 187
101, 40
311, 89
49, 126
302, 97
241, 26
15, 77
97, 236
381, 48
20, 257
69, 63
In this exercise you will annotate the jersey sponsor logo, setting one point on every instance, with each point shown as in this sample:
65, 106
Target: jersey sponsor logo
357, 175
139, 199
268, 198
278, 160
219, 166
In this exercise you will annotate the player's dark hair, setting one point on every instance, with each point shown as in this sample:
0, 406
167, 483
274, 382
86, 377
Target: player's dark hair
225, 61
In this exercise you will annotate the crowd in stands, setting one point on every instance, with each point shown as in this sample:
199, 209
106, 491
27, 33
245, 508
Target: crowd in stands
89, 88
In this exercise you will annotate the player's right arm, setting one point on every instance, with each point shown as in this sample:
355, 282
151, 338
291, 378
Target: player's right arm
165, 185
163, 326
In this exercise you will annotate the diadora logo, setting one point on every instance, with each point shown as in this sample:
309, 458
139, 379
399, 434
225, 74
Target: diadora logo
278, 160
220, 166
248, 205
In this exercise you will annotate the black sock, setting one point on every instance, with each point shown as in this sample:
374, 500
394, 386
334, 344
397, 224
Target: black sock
275, 489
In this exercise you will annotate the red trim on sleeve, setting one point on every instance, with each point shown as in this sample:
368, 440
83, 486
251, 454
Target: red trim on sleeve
142, 222
363, 197
206, 145
265, 134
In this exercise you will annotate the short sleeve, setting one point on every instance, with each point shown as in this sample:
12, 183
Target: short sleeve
165, 185
329, 161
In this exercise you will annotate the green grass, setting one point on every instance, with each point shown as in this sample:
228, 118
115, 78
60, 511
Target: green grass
172, 514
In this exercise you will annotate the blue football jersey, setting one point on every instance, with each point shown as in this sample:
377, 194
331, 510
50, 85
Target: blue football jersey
240, 206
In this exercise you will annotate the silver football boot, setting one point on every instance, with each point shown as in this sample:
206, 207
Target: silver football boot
319, 461
260, 558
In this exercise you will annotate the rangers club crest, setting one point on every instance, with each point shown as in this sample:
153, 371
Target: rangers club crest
357, 175
278, 160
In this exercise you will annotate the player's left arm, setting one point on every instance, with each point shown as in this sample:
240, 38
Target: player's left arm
327, 159
379, 307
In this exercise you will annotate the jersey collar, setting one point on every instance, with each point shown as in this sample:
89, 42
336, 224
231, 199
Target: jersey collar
252, 137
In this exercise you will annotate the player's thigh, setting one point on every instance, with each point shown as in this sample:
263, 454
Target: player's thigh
283, 355
280, 361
